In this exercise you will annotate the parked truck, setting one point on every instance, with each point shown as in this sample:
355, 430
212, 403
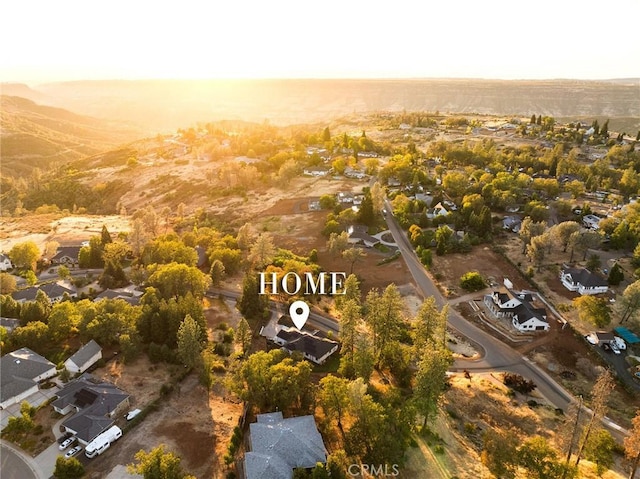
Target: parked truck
102, 442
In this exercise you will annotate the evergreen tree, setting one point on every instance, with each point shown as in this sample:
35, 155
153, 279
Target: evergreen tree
105, 236
616, 275
189, 341
533, 120
243, 336
252, 304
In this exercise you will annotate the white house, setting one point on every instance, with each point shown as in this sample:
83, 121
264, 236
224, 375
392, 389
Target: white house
437, 210
316, 171
5, 262
591, 221
519, 308
20, 373
583, 281
358, 235
84, 358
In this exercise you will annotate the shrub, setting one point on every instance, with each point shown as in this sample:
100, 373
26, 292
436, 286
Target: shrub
472, 281
518, 383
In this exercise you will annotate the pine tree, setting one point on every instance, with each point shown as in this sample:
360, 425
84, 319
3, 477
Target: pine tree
189, 341
533, 120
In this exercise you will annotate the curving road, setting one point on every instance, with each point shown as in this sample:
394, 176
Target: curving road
497, 355
14, 464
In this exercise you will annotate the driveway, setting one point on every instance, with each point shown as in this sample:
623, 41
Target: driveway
35, 400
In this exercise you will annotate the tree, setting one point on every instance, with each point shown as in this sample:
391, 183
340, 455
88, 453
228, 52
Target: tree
105, 236
24, 255
384, 314
366, 214
349, 321
189, 342
632, 444
7, 283
594, 262
430, 381
337, 243
562, 233
593, 310
630, 301
430, 326
328, 202
537, 249
262, 251
444, 235
599, 449
217, 273
63, 272
68, 468
472, 281
599, 398
64, 318
616, 275
252, 304
377, 197
333, 398
243, 336
530, 229
113, 255
245, 236
499, 453
174, 280
168, 249
541, 461
158, 464
352, 255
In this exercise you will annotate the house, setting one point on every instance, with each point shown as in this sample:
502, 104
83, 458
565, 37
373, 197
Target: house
583, 281
131, 297
9, 324
393, 182
314, 205
358, 235
519, 308
351, 173
313, 348
66, 255
5, 262
316, 171
277, 446
591, 221
512, 223
84, 358
20, 373
437, 210
54, 291
345, 197
96, 405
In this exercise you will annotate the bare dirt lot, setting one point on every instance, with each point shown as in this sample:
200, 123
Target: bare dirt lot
447, 269
191, 422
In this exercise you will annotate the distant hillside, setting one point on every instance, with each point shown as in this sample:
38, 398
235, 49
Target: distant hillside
165, 105
36, 135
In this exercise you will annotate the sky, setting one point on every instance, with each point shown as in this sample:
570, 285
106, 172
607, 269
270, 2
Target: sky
44, 40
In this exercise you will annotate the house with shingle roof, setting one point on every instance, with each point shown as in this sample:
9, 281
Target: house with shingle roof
313, 348
277, 446
358, 235
583, 281
66, 255
20, 373
5, 262
96, 404
84, 358
54, 291
519, 308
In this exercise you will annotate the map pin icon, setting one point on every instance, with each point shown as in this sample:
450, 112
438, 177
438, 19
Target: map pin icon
299, 312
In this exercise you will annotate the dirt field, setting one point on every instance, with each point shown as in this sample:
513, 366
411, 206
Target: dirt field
448, 269
192, 423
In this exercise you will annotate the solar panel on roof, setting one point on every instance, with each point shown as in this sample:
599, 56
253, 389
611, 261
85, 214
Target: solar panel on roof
85, 397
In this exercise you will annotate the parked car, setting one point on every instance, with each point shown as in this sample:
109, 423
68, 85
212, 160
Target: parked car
591, 339
615, 348
131, 414
66, 443
72, 452
63, 438
620, 343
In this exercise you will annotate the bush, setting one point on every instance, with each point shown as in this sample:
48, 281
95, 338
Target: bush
472, 281
518, 383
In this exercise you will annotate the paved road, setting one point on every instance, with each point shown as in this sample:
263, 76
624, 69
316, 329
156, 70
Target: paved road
13, 465
495, 354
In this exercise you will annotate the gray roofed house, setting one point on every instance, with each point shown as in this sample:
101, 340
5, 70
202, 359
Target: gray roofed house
96, 403
66, 255
20, 372
84, 358
358, 235
54, 291
5, 262
519, 308
313, 348
278, 446
129, 296
583, 281
9, 324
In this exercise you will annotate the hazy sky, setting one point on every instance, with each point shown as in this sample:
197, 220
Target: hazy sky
90, 39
